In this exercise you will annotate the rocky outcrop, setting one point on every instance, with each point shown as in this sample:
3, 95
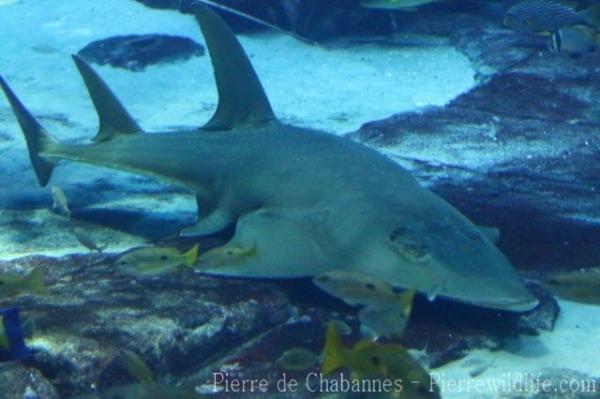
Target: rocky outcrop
312, 19
136, 52
176, 323
188, 326
519, 152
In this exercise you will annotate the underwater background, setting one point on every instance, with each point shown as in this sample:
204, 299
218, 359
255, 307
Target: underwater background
492, 105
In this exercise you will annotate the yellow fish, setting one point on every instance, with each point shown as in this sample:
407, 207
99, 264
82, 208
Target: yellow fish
297, 359
385, 312
229, 255
404, 5
356, 288
372, 360
13, 284
581, 285
387, 320
137, 367
155, 261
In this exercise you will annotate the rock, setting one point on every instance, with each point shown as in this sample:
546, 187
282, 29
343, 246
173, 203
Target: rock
312, 19
519, 152
187, 326
475, 28
175, 323
136, 52
435, 325
477, 31
544, 316
20, 382
433, 329
271, 11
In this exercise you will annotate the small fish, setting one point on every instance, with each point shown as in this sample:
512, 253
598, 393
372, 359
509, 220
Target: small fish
386, 320
60, 203
574, 40
137, 367
297, 359
155, 261
403, 5
582, 285
368, 359
355, 288
385, 312
87, 241
12, 336
13, 284
228, 255
543, 16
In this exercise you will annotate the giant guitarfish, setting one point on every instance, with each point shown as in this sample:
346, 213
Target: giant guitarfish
309, 201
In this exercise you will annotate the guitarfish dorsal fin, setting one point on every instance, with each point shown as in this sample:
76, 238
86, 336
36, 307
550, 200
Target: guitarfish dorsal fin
114, 119
242, 99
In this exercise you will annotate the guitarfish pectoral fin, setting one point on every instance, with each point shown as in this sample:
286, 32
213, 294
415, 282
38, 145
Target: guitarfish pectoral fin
283, 242
212, 223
